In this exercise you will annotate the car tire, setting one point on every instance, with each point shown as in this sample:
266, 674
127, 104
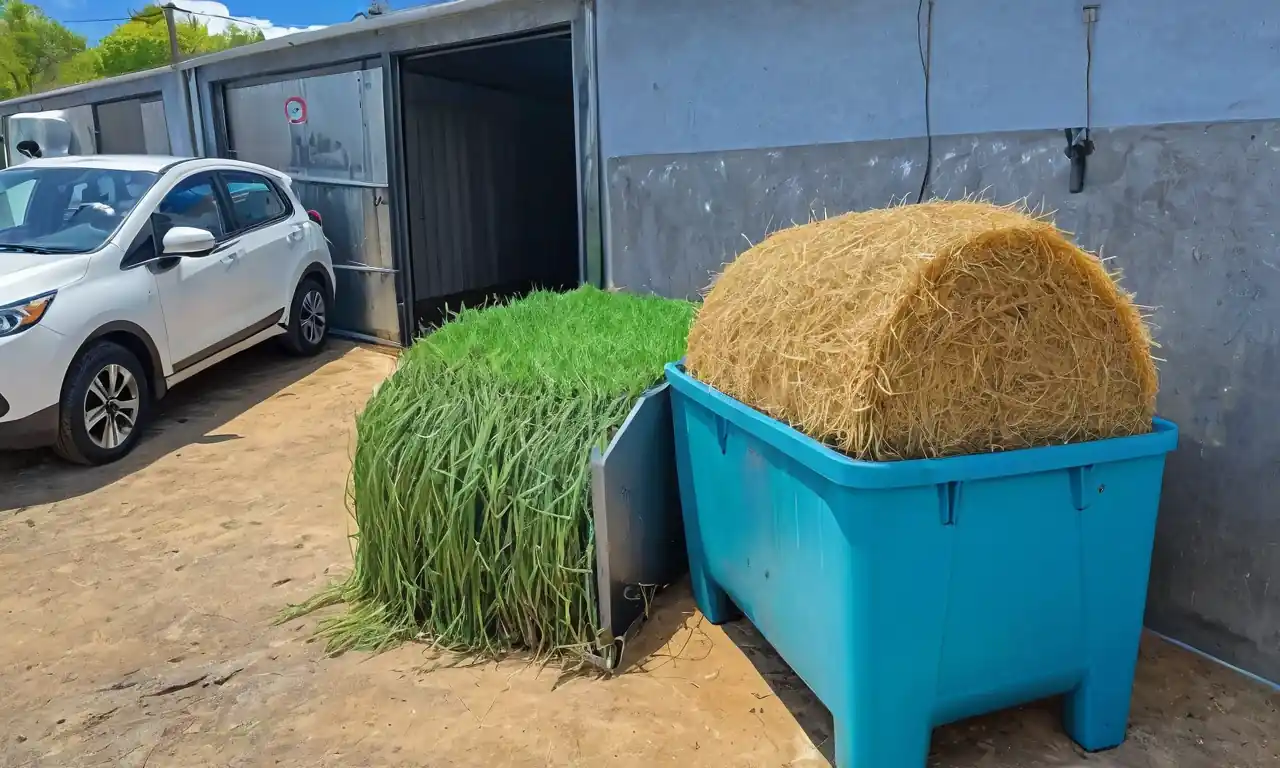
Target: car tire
106, 399
308, 328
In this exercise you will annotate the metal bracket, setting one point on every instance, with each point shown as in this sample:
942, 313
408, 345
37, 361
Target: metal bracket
1079, 147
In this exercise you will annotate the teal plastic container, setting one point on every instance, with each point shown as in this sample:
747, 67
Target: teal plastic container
912, 594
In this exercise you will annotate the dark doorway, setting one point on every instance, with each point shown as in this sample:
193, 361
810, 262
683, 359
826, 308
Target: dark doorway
491, 174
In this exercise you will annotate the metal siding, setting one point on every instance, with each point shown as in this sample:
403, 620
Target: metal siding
343, 138
372, 108
82, 127
356, 222
365, 303
121, 129
155, 128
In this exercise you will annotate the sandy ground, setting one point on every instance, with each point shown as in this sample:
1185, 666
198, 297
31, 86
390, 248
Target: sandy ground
137, 603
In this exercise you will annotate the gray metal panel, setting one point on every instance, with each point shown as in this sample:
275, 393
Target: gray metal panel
82, 126
635, 499
372, 107
1189, 212
155, 128
356, 222
334, 142
120, 128
365, 303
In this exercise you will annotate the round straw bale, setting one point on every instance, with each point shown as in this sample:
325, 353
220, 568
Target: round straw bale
928, 330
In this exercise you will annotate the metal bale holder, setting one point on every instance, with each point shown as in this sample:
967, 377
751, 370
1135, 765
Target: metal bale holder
639, 531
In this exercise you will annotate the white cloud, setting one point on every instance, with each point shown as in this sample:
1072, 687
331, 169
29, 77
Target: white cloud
217, 25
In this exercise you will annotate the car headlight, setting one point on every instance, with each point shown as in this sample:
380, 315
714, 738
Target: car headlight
16, 318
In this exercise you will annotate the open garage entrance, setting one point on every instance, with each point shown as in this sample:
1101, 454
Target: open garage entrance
491, 176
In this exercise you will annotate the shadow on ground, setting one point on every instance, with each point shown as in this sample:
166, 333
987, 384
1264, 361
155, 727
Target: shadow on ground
1186, 712
191, 414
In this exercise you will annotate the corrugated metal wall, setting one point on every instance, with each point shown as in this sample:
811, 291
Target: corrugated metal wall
492, 193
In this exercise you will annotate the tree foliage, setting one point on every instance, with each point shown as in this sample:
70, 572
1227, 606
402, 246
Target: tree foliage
32, 47
37, 53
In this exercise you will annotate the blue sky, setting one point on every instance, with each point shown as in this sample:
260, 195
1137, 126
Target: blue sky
274, 17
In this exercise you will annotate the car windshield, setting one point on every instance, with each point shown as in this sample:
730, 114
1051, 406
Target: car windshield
65, 210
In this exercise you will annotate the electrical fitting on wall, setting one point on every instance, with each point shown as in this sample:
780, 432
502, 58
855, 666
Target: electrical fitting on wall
1079, 141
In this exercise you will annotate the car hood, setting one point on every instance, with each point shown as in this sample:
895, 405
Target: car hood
23, 275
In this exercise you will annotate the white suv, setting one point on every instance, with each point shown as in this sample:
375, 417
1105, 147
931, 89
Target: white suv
122, 276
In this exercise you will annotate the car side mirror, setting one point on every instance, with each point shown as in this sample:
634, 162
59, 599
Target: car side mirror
188, 241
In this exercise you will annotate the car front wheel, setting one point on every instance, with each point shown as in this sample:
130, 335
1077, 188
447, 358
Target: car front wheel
105, 401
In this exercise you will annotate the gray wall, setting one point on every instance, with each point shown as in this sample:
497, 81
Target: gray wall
741, 122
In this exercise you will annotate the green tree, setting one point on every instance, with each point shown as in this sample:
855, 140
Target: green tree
32, 47
143, 42
81, 68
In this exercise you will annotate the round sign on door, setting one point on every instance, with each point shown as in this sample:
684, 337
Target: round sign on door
295, 109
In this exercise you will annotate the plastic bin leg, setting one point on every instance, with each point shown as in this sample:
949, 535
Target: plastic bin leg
1096, 714
711, 599
897, 739
1117, 558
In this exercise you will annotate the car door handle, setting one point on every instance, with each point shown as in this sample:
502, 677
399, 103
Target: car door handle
230, 256
296, 234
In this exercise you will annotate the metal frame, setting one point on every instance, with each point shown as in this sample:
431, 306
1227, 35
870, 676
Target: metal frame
587, 125
338, 68
397, 182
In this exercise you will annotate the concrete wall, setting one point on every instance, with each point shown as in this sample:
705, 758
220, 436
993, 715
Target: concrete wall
723, 121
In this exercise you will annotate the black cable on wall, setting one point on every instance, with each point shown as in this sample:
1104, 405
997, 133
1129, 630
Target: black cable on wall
924, 42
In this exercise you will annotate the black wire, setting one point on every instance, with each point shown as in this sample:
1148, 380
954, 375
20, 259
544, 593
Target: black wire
100, 21
1088, 78
217, 16
924, 42
239, 21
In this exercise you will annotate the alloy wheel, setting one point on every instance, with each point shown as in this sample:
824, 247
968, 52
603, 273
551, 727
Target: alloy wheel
312, 317
111, 407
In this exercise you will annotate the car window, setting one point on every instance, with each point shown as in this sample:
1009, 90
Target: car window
192, 203
66, 210
254, 199
13, 203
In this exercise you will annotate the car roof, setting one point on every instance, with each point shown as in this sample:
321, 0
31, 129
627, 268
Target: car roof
147, 163
152, 163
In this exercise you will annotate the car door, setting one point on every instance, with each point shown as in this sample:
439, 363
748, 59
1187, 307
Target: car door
200, 295
269, 241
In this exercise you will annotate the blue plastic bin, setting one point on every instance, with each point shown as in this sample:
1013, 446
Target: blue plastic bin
917, 593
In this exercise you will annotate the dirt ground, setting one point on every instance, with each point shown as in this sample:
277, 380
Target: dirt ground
138, 599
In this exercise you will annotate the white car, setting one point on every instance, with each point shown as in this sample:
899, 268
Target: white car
122, 276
